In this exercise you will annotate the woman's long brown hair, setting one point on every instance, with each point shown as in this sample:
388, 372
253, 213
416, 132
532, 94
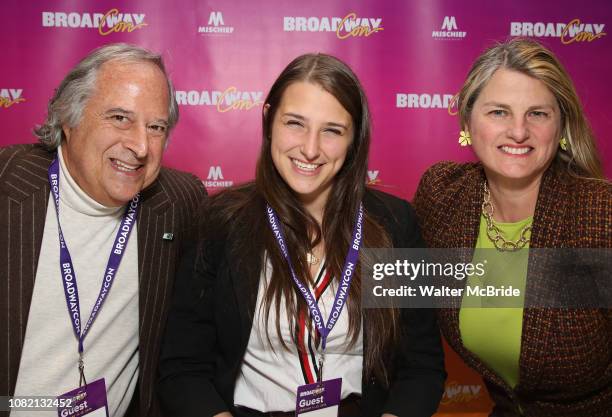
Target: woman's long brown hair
302, 232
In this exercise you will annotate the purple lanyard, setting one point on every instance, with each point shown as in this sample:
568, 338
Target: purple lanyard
347, 274
67, 269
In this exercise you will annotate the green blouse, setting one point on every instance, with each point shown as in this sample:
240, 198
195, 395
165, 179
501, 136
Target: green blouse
494, 333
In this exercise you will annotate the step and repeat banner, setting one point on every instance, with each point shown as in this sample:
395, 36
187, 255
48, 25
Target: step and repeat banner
223, 56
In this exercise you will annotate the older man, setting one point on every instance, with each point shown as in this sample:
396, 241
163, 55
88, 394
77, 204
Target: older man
79, 299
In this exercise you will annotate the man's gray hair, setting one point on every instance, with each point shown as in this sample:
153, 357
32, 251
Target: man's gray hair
67, 104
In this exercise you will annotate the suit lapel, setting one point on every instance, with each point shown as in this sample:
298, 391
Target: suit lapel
156, 258
548, 230
244, 260
25, 194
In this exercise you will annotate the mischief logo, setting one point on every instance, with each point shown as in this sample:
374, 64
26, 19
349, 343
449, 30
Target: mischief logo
215, 179
215, 25
10, 97
112, 21
448, 30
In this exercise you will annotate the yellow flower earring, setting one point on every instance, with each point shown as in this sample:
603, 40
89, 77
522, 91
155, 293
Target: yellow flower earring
464, 138
563, 144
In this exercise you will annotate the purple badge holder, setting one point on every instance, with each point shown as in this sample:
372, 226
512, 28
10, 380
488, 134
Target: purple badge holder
321, 399
88, 400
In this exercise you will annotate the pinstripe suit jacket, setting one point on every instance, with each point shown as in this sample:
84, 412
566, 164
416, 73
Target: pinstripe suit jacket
565, 364
169, 205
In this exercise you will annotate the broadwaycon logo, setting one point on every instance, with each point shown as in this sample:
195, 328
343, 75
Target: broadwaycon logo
349, 26
110, 22
224, 101
455, 393
216, 25
574, 31
10, 96
423, 101
373, 178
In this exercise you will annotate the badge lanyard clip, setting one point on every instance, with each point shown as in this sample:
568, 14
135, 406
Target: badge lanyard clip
320, 370
82, 380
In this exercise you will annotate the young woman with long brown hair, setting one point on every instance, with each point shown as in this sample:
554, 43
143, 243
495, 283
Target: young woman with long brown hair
244, 332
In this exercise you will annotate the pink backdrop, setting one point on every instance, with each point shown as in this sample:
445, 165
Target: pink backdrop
224, 55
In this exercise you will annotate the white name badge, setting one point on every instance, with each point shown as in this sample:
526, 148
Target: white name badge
321, 399
88, 400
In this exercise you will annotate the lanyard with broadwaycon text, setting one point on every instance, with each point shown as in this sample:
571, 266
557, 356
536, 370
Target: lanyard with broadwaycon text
350, 264
67, 269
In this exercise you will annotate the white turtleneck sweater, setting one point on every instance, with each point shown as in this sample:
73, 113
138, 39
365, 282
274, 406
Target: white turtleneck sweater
49, 359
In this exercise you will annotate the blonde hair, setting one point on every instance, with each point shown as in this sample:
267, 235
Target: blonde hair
531, 58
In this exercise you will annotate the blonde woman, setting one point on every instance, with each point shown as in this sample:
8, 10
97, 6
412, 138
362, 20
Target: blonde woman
538, 184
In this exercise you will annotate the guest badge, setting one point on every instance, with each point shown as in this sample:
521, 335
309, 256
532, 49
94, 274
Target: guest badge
88, 400
321, 399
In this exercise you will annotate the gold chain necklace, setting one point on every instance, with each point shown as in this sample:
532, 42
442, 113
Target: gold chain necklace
494, 234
